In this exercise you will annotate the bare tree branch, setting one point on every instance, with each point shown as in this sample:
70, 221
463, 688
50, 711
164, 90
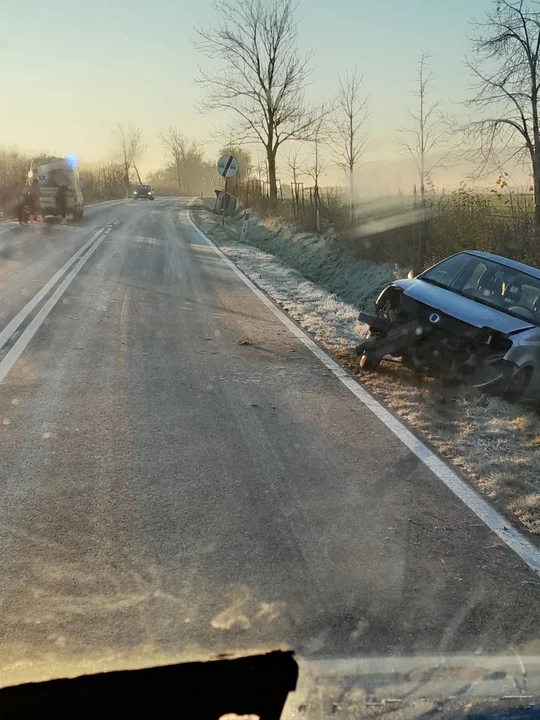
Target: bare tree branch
319, 137
174, 143
187, 164
130, 148
350, 120
294, 164
426, 137
504, 89
260, 75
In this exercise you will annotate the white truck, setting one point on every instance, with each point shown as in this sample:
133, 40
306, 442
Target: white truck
53, 173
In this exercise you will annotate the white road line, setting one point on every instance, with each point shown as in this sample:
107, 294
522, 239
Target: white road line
18, 348
528, 552
434, 676
21, 316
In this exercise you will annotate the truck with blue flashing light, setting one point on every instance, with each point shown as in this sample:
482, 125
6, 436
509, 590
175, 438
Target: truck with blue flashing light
58, 177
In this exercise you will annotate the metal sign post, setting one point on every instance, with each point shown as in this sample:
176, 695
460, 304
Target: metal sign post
225, 200
227, 167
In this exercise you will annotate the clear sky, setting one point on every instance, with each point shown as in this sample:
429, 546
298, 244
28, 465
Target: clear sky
71, 69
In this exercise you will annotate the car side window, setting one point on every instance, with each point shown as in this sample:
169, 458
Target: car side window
529, 297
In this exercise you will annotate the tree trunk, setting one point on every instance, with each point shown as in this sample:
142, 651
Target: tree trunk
351, 195
536, 189
179, 178
423, 225
271, 157
537, 205
351, 165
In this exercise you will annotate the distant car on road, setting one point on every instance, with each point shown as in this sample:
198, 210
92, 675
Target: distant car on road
474, 316
143, 192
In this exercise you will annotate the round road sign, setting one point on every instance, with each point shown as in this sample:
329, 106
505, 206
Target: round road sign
227, 166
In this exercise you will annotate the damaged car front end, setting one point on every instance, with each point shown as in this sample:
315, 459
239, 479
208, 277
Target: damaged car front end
474, 317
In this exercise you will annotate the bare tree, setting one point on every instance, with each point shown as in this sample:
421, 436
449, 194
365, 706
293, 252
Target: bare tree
261, 168
425, 139
351, 118
104, 183
318, 162
130, 149
320, 137
13, 167
506, 83
174, 144
294, 164
261, 75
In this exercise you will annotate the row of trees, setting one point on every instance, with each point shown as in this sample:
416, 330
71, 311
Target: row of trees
185, 172
260, 80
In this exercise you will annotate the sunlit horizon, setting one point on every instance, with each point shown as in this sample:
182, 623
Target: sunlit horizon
135, 64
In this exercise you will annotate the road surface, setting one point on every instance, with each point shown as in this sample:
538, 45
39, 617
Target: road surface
181, 477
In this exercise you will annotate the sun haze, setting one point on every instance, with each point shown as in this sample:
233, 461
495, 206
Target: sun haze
93, 65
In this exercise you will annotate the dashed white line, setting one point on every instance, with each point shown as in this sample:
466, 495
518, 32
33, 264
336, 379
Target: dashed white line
19, 346
21, 316
528, 552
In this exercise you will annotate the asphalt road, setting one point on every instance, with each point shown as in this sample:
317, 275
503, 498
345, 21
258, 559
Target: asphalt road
168, 491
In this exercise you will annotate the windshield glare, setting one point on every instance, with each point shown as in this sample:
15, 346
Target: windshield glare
283, 397
490, 283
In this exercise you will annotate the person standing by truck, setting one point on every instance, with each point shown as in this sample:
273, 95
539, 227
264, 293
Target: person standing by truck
62, 202
30, 202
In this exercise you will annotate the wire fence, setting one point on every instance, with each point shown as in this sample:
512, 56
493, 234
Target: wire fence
311, 208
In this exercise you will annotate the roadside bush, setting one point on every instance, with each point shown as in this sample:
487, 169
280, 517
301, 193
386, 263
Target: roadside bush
399, 232
13, 169
494, 223
103, 183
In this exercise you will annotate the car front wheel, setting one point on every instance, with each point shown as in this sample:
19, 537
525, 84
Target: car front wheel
518, 384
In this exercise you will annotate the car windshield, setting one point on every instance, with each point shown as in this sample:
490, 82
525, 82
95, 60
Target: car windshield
228, 421
491, 283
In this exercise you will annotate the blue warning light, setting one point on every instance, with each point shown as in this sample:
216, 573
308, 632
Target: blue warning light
71, 161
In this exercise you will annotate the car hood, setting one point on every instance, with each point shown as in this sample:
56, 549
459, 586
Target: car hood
462, 308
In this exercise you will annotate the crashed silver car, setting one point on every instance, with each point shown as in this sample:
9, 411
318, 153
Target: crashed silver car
474, 317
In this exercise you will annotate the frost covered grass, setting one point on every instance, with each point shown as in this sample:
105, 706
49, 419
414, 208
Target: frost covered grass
331, 321
316, 257
495, 443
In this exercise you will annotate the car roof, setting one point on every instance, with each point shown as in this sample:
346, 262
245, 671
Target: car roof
521, 267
